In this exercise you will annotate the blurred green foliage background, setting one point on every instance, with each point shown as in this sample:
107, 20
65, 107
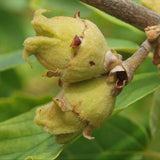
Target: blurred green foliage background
23, 88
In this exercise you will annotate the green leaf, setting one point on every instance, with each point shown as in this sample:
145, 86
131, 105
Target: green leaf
19, 103
135, 110
8, 84
21, 138
147, 66
155, 122
122, 46
118, 139
137, 1
13, 30
142, 85
12, 60
14, 5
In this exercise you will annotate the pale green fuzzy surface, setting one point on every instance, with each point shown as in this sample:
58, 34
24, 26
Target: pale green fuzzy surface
91, 99
87, 103
51, 46
57, 122
92, 49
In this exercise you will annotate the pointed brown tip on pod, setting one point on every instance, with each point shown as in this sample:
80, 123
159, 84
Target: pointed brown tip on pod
87, 132
76, 41
77, 14
50, 74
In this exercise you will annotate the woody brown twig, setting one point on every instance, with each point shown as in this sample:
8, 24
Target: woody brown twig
128, 11
133, 62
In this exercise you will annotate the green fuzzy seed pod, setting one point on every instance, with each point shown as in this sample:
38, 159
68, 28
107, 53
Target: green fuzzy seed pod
79, 108
71, 48
91, 100
64, 125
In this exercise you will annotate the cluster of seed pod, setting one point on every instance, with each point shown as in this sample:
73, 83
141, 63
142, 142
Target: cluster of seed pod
75, 50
